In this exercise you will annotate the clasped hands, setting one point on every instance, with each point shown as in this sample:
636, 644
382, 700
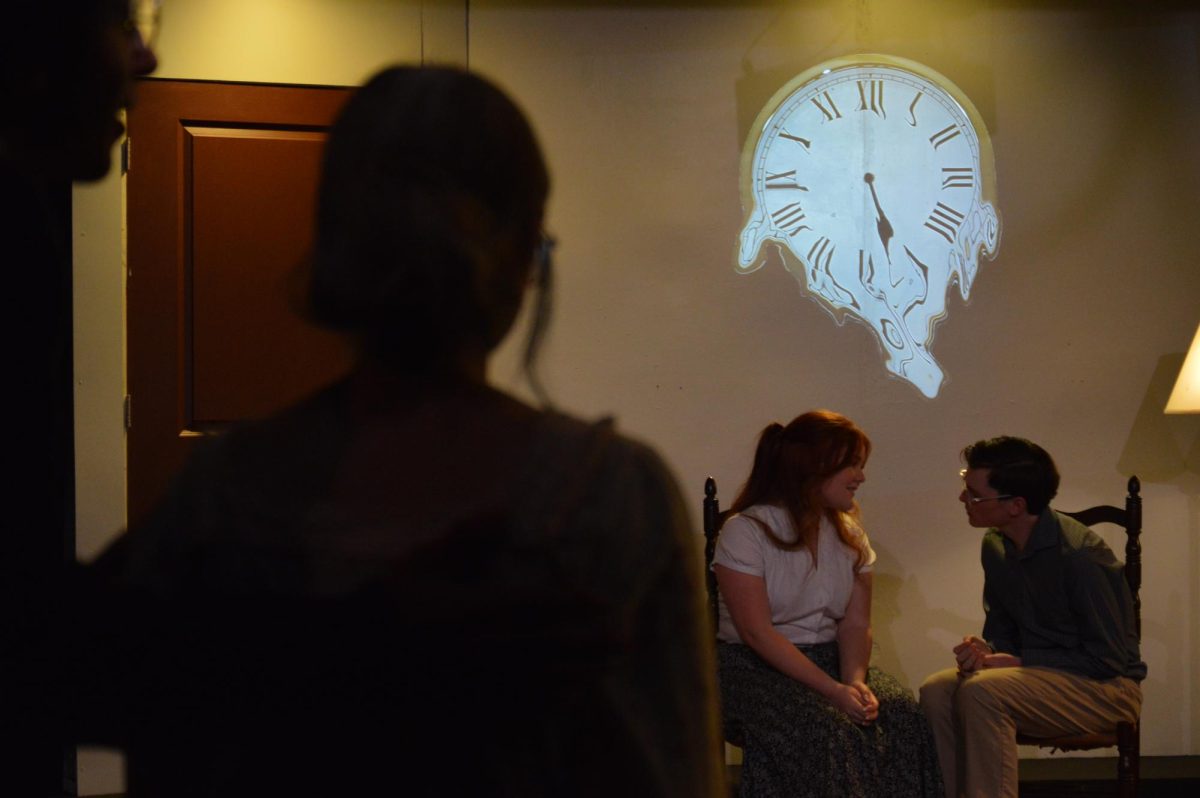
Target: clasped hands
857, 701
974, 654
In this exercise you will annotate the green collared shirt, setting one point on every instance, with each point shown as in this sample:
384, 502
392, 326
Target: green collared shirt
1062, 602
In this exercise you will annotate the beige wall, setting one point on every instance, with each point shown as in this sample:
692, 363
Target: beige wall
1071, 335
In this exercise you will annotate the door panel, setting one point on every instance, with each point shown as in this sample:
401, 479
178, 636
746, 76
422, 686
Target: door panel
221, 190
244, 297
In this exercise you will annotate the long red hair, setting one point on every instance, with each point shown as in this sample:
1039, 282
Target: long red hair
792, 463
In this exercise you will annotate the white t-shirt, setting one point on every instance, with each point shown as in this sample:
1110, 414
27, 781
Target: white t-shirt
806, 603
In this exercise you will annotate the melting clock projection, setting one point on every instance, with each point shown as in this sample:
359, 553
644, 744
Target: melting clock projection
874, 177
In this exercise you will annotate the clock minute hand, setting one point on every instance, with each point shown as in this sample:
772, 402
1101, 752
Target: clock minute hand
881, 221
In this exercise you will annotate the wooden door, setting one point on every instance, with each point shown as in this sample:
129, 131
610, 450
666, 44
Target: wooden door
221, 188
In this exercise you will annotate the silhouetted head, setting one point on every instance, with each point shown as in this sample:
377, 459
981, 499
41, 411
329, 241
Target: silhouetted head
429, 216
66, 70
1016, 467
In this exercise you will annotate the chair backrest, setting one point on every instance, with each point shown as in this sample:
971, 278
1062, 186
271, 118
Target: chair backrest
712, 525
1129, 519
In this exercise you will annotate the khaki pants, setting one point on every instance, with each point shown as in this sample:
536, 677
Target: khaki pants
975, 719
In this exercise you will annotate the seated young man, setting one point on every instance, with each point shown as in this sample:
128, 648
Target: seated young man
1059, 651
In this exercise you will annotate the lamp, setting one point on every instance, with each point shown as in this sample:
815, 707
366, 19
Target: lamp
1185, 398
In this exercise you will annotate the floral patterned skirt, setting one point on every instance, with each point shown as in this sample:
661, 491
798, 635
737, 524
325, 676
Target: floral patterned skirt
795, 743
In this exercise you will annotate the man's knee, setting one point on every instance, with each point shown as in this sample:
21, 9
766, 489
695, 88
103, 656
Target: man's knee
982, 695
937, 691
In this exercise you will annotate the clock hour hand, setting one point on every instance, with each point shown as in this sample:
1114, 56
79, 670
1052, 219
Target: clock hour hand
881, 221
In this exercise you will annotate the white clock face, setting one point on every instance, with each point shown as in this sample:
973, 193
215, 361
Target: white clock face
872, 176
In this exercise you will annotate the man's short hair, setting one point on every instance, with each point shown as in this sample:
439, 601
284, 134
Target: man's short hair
1016, 467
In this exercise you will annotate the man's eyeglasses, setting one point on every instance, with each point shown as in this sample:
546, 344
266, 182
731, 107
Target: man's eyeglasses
978, 499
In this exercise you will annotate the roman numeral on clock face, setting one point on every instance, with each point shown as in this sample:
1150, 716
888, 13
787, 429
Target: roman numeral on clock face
832, 111
870, 97
945, 221
805, 143
820, 254
912, 109
944, 135
783, 180
957, 177
790, 219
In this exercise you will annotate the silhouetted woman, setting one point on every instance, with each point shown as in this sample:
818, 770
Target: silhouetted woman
411, 582
794, 570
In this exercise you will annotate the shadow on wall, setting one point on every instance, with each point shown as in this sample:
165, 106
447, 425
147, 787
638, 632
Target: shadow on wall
1165, 450
893, 598
1171, 667
1162, 449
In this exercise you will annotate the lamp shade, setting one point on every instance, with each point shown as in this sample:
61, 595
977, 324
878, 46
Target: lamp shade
1186, 396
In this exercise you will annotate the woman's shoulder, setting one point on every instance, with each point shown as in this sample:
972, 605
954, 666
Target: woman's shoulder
856, 538
561, 440
761, 512
751, 521
607, 472
311, 421
284, 455
607, 500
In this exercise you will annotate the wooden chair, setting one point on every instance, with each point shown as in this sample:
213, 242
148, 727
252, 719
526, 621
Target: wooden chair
713, 519
1126, 736
712, 526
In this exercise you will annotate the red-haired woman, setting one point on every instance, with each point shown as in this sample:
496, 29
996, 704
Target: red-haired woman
794, 570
